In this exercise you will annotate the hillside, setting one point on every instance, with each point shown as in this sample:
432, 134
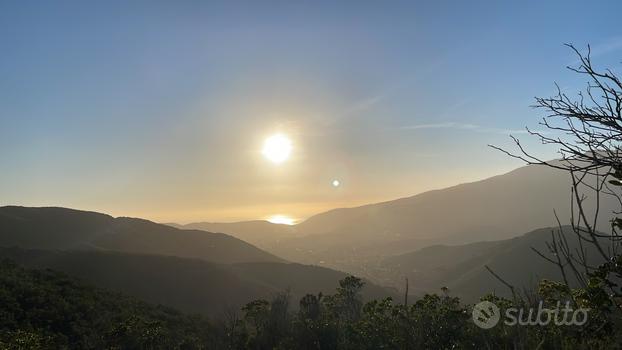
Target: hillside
190, 285
462, 268
302, 279
49, 310
61, 228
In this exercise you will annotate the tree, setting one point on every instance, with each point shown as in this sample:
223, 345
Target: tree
587, 132
349, 297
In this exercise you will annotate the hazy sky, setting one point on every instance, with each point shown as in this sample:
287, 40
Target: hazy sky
160, 109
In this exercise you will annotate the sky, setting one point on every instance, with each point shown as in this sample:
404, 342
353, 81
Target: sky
160, 109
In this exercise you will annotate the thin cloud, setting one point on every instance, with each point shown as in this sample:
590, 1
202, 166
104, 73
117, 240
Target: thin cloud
611, 45
362, 105
601, 49
464, 126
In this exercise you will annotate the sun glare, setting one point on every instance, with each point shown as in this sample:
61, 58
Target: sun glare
281, 219
277, 148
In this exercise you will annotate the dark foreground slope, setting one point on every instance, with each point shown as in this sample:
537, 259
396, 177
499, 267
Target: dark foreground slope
190, 285
48, 310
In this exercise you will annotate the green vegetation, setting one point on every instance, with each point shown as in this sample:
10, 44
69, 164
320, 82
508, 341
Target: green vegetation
188, 285
341, 321
48, 310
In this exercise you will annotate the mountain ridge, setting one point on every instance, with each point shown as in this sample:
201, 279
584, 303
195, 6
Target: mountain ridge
495, 208
62, 228
461, 268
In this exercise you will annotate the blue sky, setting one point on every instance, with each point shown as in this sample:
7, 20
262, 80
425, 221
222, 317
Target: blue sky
159, 109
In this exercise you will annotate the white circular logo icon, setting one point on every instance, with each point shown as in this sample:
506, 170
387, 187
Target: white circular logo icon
486, 314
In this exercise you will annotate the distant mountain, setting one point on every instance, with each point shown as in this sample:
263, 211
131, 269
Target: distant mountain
262, 234
462, 268
355, 239
61, 228
190, 285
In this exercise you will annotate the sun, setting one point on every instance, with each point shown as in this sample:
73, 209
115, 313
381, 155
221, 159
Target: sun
277, 148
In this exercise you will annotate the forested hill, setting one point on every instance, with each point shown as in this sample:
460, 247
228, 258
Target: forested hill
49, 310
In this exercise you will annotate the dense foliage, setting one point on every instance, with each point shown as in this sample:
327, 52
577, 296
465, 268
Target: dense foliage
341, 321
48, 310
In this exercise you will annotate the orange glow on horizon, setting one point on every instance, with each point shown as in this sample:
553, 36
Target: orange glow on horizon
281, 219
